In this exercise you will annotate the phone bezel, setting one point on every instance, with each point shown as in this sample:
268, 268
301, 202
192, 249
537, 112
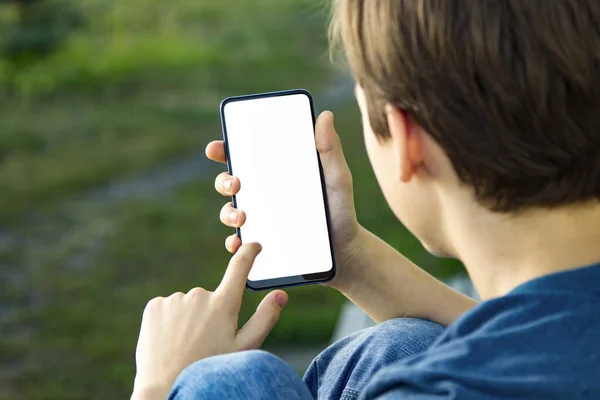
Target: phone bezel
296, 280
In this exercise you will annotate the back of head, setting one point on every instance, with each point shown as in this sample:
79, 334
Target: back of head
510, 89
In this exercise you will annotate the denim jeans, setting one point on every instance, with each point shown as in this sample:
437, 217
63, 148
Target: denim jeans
339, 372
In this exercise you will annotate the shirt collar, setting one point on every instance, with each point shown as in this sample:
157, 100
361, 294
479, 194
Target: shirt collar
581, 280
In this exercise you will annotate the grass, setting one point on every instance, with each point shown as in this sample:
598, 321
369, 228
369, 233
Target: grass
138, 87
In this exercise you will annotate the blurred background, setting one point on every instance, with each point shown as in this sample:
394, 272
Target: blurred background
106, 197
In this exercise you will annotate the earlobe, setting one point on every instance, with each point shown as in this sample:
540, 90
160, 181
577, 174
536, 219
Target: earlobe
405, 141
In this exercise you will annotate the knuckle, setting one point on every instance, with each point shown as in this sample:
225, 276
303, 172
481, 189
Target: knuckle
224, 214
241, 217
219, 180
154, 303
197, 293
174, 297
346, 178
240, 258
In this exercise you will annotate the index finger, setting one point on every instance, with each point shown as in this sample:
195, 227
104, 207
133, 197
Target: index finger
233, 284
215, 151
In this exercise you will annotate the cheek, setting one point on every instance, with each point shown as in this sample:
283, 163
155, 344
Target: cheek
373, 146
382, 163
410, 202
377, 151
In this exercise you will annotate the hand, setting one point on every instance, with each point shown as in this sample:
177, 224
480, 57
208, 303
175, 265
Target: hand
339, 192
183, 328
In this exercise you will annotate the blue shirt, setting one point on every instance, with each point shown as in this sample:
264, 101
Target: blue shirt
540, 341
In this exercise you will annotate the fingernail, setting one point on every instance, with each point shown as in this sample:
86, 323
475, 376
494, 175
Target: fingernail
227, 184
281, 299
233, 216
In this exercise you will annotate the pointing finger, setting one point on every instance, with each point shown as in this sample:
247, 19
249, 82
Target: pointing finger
233, 284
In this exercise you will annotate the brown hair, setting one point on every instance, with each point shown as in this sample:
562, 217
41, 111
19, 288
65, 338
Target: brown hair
510, 89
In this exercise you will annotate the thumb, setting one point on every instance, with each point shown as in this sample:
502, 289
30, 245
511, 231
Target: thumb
255, 331
330, 150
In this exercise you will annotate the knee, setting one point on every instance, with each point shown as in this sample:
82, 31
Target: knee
245, 362
215, 376
408, 336
352, 361
384, 343
400, 337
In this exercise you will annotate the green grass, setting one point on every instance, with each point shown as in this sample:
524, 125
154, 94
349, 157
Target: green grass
126, 42
139, 84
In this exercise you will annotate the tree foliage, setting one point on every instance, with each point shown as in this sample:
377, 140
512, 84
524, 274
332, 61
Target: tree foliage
33, 29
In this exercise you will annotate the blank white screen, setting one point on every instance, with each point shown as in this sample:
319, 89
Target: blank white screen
272, 151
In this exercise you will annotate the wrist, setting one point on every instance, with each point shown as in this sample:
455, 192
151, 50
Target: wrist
350, 261
150, 392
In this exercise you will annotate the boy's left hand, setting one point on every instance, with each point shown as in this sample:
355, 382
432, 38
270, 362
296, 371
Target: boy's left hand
184, 328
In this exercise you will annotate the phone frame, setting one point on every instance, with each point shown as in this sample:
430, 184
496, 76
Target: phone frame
296, 280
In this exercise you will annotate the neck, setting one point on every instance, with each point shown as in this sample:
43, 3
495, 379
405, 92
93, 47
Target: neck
502, 251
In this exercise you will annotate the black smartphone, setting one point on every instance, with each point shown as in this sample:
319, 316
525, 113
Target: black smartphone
270, 146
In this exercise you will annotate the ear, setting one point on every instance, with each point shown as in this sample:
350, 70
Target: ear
406, 141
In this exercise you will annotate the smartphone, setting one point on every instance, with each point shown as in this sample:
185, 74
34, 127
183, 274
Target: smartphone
270, 146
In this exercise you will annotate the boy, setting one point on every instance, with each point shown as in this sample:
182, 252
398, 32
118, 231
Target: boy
482, 123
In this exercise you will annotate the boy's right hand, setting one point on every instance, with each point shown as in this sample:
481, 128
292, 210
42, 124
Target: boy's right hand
339, 192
